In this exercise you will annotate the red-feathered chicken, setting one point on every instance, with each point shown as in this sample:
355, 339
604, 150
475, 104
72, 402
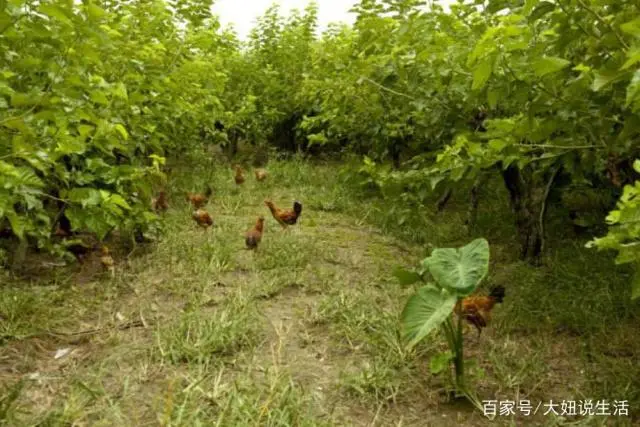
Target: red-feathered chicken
199, 200
239, 176
160, 203
261, 174
203, 218
477, 309
254, 236
285, 217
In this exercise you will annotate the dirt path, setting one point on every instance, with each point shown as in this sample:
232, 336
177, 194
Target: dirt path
198, 331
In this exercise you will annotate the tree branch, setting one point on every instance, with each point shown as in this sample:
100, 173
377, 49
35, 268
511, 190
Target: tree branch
603, 22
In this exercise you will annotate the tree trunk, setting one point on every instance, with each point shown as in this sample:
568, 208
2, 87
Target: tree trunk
472, 213
528, 192
442, 201
395, 155
232, 145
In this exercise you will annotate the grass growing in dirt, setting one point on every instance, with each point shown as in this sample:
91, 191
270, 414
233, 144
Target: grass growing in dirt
304, 332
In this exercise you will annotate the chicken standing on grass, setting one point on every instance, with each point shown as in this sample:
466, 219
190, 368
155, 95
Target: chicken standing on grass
285, 217
203, 218
477, 309
160, 203
239, 176
261, 174
199, 200
254, 236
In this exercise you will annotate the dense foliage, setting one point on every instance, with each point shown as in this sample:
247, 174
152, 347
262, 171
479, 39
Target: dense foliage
95, 95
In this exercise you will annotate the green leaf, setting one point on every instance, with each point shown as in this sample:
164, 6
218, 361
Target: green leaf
582, 68
93, 220
26, 177
18, 223
601, 80
528, 6
426, 310
95, 12
150, 216
406, 277
492, 98
632, 27
549, 64
118, 200
633, 92
99, 97
157, 160
85, 196
497, 144
122, 131
120, 91
482, 73
57, 12
433, 181
23, 100
543, 8
70, 145
85, 130
460, 270
633, 57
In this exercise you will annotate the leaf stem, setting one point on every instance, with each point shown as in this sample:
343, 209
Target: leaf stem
386, 88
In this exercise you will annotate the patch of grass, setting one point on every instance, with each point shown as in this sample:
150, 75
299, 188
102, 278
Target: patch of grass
208, 397
199, 336
9, 394
375, 382
287, 250
279, 401
359, 320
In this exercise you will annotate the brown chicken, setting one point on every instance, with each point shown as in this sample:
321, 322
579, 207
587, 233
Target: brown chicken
107, 260
261, 174
477, 309
203, 218
239, 176
285, 217
160, 203
199, 200
254, 236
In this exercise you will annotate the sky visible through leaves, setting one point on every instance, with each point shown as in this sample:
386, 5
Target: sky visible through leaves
242, 14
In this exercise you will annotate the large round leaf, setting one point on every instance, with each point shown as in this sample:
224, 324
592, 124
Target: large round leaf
460, 270
425, 311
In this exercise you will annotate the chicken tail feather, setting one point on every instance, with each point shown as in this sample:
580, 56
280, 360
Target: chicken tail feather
498, 293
